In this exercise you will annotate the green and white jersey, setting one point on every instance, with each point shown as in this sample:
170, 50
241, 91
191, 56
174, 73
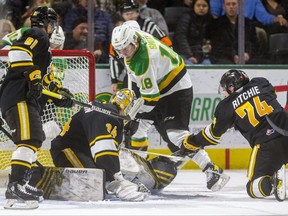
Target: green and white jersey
8, 39
157, 70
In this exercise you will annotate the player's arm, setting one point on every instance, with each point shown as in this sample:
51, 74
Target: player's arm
211, 134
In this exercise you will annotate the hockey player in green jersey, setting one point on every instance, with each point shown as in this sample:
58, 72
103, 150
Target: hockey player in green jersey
166, 88
250, 106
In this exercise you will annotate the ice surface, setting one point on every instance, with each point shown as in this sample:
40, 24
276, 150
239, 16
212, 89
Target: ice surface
187, 195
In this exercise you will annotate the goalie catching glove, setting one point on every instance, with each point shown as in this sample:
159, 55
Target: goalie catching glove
126, 190
33, 77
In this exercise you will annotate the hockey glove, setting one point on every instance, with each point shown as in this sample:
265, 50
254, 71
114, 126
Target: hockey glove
65, 92
33, 76
68, 102
126, 190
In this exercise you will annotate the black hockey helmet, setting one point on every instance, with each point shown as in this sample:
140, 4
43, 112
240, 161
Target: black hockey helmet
233, 78
128, 5
42, 16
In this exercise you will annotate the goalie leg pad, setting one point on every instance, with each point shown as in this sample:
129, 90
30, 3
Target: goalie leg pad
70, 184
137, 169
165, 169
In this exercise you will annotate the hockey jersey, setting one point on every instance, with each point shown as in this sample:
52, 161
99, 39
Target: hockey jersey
32, 48
157, 70
245, 110
93, 133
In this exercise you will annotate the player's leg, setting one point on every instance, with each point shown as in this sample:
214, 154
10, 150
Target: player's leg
176, 111
136, 134
265, 174
25, 123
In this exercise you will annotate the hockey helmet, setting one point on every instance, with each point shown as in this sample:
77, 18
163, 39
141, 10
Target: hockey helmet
233, 78
42, 16
128, 5
122, 36
124, 100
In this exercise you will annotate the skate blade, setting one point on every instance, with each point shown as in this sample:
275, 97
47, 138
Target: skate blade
20, 205
223, 180
280, 187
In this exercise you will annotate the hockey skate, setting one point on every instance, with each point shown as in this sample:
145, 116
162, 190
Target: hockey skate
279, 184
22, 196
216, 179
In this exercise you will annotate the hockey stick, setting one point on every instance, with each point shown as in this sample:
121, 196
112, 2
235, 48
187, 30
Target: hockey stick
276, 128
130, 116
4, 130
176, 158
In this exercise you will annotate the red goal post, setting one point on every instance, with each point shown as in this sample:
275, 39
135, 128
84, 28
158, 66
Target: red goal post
77, 72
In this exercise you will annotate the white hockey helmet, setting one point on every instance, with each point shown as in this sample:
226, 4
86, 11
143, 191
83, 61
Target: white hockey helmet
122, 36
134, 24
57, 38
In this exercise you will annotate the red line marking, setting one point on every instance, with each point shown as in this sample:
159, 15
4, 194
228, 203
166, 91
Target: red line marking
281, 88
227, 158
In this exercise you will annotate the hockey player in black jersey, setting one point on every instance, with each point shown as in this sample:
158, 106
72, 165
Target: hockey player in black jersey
22, 102
246, 107
91, 140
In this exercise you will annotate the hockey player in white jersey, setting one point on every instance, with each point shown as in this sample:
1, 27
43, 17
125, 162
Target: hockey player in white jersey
166, 88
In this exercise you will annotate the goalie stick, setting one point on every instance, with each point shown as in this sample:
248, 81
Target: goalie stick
130, 116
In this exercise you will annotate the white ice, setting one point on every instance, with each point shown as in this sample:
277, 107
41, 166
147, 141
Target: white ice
187, 195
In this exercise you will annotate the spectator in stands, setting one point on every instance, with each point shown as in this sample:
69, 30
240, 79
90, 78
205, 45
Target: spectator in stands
32, 7
6, 26
276, 8
159, 5
183, 3
77, 39
224, 36
61, 8
13, 10
103, 24
190, 35
153, 14
252, 9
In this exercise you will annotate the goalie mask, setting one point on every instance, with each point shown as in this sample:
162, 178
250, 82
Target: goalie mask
57, 39
233, 78
124, 100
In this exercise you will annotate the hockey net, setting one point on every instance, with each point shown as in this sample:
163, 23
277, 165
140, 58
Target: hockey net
76, 70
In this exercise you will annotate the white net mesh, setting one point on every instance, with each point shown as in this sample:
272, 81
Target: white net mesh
76, 71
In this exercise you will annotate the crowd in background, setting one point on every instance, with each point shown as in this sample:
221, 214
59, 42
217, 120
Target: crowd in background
204, 32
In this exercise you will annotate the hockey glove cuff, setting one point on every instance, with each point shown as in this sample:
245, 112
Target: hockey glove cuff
33, 76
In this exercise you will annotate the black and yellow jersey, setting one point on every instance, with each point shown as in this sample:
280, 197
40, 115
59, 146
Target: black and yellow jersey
32, 48
245, 110
91, 132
